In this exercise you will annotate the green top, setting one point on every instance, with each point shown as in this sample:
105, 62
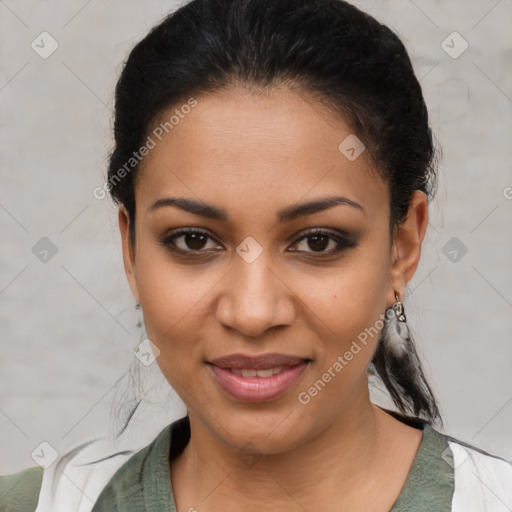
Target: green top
143, 483
20, 492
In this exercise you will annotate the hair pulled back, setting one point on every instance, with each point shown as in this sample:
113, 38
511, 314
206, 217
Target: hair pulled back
327, 48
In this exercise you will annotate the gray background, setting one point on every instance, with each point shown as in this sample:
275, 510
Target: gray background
68, 325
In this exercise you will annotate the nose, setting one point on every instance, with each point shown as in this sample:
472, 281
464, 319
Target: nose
255, 298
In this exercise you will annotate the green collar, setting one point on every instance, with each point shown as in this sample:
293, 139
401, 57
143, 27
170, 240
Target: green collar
144, 481
431, 481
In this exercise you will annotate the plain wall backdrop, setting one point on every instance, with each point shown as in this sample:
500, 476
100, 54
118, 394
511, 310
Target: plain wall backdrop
67, 316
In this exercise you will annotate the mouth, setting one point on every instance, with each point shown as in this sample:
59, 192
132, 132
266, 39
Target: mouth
260, 378
263, 374
260, 362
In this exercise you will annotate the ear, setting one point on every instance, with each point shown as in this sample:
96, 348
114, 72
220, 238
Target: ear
406, 249
128, 250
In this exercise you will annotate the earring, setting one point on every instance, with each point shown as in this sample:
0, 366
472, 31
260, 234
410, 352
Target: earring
398, 308
396, 335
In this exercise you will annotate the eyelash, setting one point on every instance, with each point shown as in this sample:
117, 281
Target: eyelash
343, 242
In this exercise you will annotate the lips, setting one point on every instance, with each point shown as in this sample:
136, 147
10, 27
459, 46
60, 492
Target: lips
261, 362
256, 379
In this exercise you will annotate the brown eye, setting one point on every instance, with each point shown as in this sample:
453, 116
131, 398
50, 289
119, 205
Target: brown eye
189, 240
319, 240
195, 241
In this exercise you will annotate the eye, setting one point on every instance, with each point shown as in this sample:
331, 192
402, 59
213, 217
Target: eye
319, 240
195, 241
189, 240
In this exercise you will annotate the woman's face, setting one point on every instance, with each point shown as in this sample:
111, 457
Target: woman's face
252, 282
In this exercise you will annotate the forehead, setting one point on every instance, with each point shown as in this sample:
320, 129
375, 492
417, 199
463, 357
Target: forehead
239, 147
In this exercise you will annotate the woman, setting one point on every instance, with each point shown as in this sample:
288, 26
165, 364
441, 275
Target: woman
273, 167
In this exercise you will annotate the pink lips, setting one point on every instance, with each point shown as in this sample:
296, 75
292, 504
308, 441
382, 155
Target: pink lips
257, 389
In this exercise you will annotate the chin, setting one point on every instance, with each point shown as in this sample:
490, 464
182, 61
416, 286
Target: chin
267, 433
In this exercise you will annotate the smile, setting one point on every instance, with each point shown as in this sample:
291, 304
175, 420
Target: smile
249, 372
251, 385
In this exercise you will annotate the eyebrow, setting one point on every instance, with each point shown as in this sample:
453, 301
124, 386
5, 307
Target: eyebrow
285, 215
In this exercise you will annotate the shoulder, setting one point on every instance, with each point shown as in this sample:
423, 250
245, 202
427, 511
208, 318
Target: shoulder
19, 492
127, 486
126, 480
73, 479
473, 480
480, 478
76, 479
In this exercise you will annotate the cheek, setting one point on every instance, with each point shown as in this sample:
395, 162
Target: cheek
348, 306
173, 299
168, 291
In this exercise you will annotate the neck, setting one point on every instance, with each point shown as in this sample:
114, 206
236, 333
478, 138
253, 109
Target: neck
342, 460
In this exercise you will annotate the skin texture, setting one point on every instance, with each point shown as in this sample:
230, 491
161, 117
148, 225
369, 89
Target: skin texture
253, 155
